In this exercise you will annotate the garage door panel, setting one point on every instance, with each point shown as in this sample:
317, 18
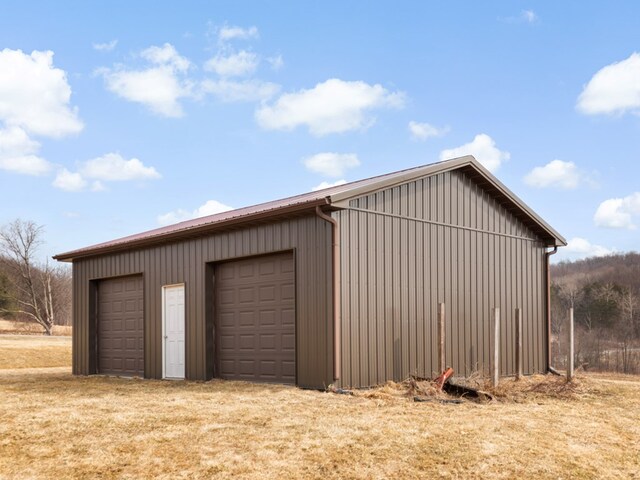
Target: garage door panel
246, 342
289, 370
131, 285
227, 319
226, 296
288, 342
246, 295
268, 368
266, 318
246, 318
267, 268
121, 326
247, 367
287, 266
288, 291
246, 270
255, 325
288, 316
267, 294
267, 342
227, 342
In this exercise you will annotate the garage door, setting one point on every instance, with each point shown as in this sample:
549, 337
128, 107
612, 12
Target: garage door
255, 319
120, 327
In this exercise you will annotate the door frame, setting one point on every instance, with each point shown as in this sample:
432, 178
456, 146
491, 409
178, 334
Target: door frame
164, 320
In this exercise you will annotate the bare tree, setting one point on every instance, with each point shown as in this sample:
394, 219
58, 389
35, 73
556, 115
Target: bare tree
31, 283
61, 284
627, 329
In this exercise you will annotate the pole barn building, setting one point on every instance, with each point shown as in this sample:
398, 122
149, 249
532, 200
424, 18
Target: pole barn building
339, 286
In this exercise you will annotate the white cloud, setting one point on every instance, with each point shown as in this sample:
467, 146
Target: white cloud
333, 106
166, 55
211, 207
158, 87
18, 153
35, 96
554, 174
98, 186
614, 89
331, 164
113, 167
168, 77
105, 47
529, 16
27, 165
276, 62
324, 185
227, 33
238, 64
525, 16
422, 131
483, 148
245, 91
578, 248
618, 212
68, 181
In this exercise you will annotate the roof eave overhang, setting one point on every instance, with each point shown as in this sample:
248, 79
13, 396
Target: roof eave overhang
191, 232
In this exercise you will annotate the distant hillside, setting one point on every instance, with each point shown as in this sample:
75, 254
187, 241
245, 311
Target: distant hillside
622, 269
605, 295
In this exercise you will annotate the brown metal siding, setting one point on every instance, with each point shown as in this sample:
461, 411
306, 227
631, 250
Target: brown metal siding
190, 262
395, 271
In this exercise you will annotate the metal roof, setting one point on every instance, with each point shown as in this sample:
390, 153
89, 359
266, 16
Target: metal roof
335, 196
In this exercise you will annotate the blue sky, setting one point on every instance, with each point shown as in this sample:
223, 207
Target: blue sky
118, 117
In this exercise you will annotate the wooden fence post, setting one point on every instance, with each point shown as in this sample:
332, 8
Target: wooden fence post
570, 353
496, 346
518, 343
441, 339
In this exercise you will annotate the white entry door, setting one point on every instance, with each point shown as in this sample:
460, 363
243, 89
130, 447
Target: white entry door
173, 323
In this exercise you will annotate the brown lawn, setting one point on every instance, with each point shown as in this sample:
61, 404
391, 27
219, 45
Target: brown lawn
8, 327
34, 351
54, 425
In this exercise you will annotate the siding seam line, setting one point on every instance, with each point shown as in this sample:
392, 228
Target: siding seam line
442, 224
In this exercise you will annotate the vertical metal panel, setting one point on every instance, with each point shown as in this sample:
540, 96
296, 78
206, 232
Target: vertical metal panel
378, 270
417, 303
393, 292
186, 261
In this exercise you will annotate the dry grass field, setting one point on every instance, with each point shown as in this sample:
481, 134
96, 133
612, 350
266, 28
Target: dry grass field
29, 328
34, 351
54, 425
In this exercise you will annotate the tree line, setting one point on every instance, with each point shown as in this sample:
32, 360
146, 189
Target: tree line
31, 289
605, 295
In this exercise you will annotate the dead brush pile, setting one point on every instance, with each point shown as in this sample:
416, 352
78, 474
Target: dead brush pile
535, 388
408, 389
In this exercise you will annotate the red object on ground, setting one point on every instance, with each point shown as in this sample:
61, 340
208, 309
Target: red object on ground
444, 376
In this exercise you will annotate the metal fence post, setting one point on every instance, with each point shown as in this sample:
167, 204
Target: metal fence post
441, 339
518, 343
570, 353
496, 346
